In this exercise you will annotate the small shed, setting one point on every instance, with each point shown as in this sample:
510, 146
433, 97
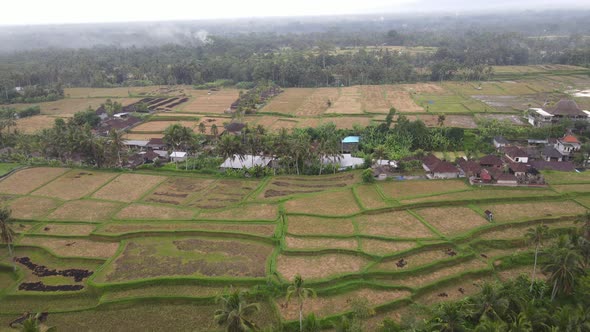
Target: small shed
177, 156
350, 143
500, 142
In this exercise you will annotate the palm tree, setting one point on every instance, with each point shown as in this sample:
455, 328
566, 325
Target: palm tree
214, 130
441, 120
6, 232
564, 266
296, 289
117, 143
490, 303
536, 236
202, 128
450, 316
235, 311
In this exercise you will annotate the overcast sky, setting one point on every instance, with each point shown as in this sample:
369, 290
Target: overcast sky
82, 11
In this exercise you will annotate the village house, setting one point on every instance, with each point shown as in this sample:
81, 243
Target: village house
245, 161
156, 144
136, 144
563, 109
507, 179
469, 168
439, 169
350, 144
178, 156
567, 145
500, 142
343, 161
491, 161
516, 154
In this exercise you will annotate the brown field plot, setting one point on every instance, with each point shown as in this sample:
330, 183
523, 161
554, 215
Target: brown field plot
224, 193
369, 197
349, 101
317, 103
373, 99
584, 200
327, 305
65, 107
32, 207
519, 231
156, 257
397, 224
414, 260
128, 187
459, 121
243, 212
125, 91
305, 225
151, 212
398, 189
66, 229
520, 211
26, 180
423, 279
319, 266
328, 203
572, 188
469, 285
347, 122
217, 102
285, 186
85, 210
477, 194
452, 220
165, 290
73, 247
33, 124
131, 227
383, 247
160, 126
292, 101
146, 137
74, 184
177, 190
320, 243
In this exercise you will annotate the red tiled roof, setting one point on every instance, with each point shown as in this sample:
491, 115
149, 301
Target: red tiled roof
430, 161
570, 139
491, 160
515, 152
469, 166
444, 167
519, 167
506, 177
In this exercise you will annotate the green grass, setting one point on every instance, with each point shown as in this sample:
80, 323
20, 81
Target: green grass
7, 167
553, 177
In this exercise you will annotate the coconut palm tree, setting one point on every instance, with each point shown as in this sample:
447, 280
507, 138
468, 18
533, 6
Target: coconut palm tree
301, 293
450, 316
564, 266
490, 303
6, 232
535, 236
235, 311
117, 143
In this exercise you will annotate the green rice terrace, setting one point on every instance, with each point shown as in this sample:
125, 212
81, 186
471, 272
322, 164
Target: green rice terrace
98, 250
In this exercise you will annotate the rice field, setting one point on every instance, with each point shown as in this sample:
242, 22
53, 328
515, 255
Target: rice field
217, 102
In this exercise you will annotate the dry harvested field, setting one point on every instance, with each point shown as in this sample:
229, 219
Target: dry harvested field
74, 184
128, 187
477, 194
243, 212
134, 227
165, 290
317, 103
525, 211
31, 208
27, 180
280, 187
415, 260
574, 188
469, 285
473, 264
370, 197
154, 212
224, 193
452, 221
85, 210
66, 229
397, 224
215, 103
329, 204
347, 122
292, 101
160, 126
399, 189
349, 101
73, 247
316, 243
33, 124
519, 231
177, 190
115, 92
306, 225
319, 266
383, 247
65, 107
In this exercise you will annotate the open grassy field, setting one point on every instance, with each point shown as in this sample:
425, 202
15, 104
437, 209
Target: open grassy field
214, 103
177, 241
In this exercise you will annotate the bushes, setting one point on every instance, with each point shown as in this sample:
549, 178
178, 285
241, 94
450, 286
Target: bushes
8, 112
367, 176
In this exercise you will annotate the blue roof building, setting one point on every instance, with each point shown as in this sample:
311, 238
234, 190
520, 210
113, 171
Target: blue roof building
351, 139
350, 143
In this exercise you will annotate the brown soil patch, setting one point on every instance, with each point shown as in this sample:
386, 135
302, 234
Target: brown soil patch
317, 102
85, 210
74, 184
33, 124
128, 187
215, 102
245, 212
414, 260
292, 101
320, 243
156, 257
32, 207
146, 137
370, 198
73, 247
160, 126
347, 122
224, 193
481, 194
318, 266
373, 99
470, 286
304, 225
177, 190
147, 212
452, 220
516, 272
122, 228
519, 211
324, 306
398, 224
382, 247
328, 203
398, 189
432, 276
401, 100
66, 229
572, 188
24, 181
519, 231
349, 102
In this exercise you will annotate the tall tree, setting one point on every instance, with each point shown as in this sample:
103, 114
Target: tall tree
536, 236
116, 143
297, 289
6, 232
235, 312
564, 266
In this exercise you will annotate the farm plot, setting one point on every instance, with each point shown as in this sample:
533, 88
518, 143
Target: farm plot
383, 247
72, 247
134, 227
128, 187
74, 184
33, 124
177, 190
85, 210
463, 287
399, 189
154, 212
554, 177
158, 257
215, 103
522, 211
584, 201
224, 193
501, 103
294, 101
67, 107
373, 99
28, 208
397, 224
459, 121
513, 119
316, 243
370, 197
318, 102
111, 92
347, 122
338, 203
285, 186
66, 229
479, 194
160, 126
423, 279
572, 188
415, 260
349, 102
452, 221
519, 231
244, 212
305, 225
26, 180
165, 290
319, 266
327, 305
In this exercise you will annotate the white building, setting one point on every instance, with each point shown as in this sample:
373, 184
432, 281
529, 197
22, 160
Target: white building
245, 161
178, 156
344, 161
